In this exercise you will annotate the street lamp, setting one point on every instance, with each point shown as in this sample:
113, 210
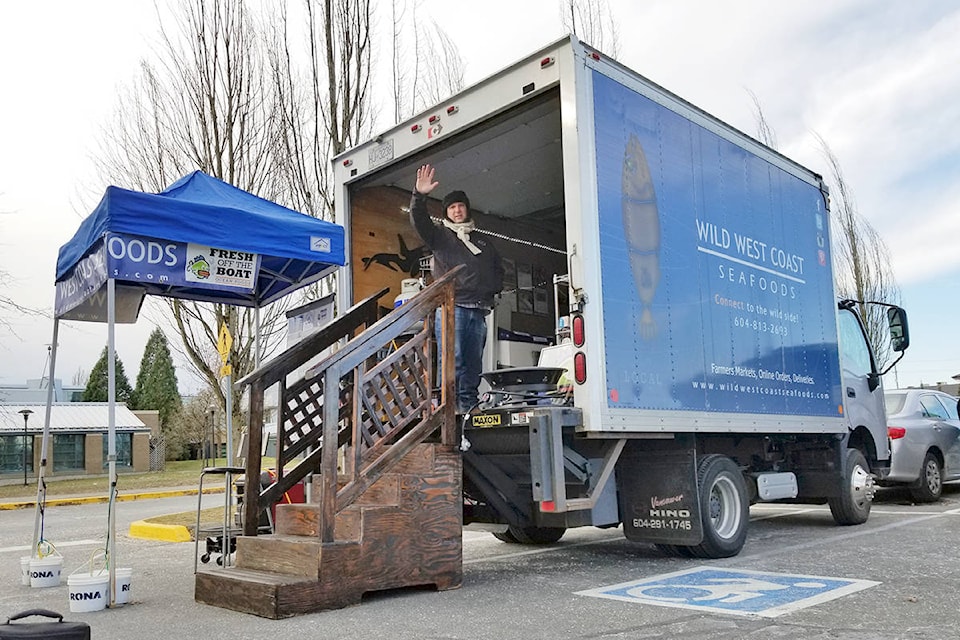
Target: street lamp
26, 416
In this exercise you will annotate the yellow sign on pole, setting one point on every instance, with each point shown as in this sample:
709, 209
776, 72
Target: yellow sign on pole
224, 342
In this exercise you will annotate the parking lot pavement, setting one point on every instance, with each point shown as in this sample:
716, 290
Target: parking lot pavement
906, 552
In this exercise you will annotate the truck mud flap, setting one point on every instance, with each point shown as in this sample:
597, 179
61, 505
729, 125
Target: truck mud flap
659, 501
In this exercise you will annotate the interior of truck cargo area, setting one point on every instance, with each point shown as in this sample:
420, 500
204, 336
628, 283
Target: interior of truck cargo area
511, 168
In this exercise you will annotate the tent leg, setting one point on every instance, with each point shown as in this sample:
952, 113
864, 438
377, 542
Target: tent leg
44, 441
112, 435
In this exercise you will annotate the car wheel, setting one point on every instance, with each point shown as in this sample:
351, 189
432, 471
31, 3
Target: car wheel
930, 485
724, 508
856, 494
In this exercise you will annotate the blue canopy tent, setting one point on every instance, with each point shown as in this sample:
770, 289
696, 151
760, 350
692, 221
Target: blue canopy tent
199, 239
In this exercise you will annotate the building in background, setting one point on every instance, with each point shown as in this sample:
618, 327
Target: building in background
78, 439
36, 391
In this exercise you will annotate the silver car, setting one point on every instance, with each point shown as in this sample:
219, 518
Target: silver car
924, 433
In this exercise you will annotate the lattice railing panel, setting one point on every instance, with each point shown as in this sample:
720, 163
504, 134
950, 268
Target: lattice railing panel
393, 390
302, 416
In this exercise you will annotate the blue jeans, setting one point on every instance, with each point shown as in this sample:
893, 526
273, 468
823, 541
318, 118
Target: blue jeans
469, 339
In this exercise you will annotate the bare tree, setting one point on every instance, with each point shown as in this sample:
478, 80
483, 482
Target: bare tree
862, 258
765, 132
426, 65
206, 104
325, 109
440, 68
592, 22
9, 306
80, 377
262, 104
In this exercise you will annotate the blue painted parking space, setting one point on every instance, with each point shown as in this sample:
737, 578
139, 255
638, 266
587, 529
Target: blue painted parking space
732, 591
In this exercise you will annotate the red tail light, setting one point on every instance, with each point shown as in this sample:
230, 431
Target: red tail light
580, 367
548, 505
578, 331
895, 433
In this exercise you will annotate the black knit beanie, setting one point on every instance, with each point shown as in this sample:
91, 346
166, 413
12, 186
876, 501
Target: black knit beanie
455, 196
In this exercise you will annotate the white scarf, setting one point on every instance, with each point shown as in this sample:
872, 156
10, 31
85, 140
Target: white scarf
463, 229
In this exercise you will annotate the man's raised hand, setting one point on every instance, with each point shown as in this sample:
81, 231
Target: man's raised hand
425, 181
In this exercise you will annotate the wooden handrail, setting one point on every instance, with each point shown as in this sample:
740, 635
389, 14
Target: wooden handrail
372, 394
362, 313
276, 370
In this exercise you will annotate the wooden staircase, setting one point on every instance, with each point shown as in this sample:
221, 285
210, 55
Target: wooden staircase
387, 500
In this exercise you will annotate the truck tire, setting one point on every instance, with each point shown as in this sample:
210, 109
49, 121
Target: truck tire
929, 487
530, 535
675, 550
505, 536
724, 508
853, 504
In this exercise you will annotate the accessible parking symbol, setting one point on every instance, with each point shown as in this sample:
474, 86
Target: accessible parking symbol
734, 591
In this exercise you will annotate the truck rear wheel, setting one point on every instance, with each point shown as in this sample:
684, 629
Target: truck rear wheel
724, 508
530, 535
856, 496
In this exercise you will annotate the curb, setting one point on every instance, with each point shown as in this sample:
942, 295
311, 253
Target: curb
163, 532
144, 495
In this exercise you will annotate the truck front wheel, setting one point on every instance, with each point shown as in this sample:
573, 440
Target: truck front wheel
724, 508
856, 494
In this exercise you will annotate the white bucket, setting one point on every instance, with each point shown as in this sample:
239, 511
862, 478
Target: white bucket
123, 585
88, 591
25, 570
45, 572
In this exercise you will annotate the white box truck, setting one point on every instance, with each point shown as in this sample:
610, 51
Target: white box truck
677, 276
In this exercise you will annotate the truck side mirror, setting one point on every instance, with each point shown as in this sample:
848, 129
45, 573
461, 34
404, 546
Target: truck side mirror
899, 334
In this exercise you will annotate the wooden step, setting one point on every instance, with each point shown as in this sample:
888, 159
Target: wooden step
268, 594
304, 520
283, 554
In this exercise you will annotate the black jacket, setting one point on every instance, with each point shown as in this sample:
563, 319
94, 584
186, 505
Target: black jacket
483, 277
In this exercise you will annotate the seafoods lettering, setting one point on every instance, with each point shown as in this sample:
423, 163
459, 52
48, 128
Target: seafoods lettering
136, 250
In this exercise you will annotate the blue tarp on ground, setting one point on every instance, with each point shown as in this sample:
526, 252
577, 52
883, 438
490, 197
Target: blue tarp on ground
199, 239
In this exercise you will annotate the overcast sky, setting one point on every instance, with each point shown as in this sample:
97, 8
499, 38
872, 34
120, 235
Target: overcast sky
876, 79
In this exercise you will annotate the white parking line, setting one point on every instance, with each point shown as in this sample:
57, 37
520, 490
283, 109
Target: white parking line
914, 518
542, 550
781, 514
60, 545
